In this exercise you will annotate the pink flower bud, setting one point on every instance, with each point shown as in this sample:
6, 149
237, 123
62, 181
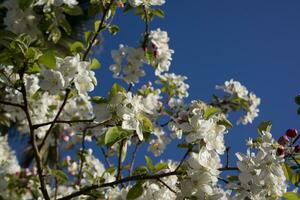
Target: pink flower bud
280, 150
292, 132
66, 138
283, 140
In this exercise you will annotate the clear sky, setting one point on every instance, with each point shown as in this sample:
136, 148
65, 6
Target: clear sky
256, 42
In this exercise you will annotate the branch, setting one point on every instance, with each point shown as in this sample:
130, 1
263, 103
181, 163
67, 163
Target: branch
105, 157
11, 104
124, 180
55, 119
81, 157
133, 157
228, 169
166, 185
119, 176
90, 45
183, 158
35, 126
34, 142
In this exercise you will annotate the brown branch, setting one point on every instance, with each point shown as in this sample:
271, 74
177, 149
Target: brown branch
34, 142
133, 157
105, 157
183, 158
124, 180
11, 104
35, 126
81, 158
119, 175
228, 169
91, 43
55, 119
166, 185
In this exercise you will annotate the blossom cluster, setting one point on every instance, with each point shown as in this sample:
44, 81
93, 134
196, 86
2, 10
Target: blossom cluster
236, 89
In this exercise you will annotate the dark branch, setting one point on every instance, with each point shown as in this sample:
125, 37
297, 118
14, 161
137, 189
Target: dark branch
124, 180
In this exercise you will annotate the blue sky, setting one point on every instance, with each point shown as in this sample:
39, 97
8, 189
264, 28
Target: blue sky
255, 42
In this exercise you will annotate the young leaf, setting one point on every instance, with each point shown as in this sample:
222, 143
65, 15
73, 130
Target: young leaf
210, 112
77, 47
95, 64
158, 13
74, 10
264, 126
135, 192
113, 29
149, 163
48, 60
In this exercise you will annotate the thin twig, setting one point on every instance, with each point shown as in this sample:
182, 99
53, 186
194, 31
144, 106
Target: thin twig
55, 119
35, 126
183, 158
91, 43
228, 169
166, 185
105, 157
133, 157
81, 157
11, 104
294, 159
119, 175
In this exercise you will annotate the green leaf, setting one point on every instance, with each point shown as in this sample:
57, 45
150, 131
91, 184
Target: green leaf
225, 122
288, 172
98, 99
161, 166
112, 135
88, 35
291, 196
25, 4
113, 29
97, 25
55, 35
232, 178
140, 170
115, 134
65, 25
149, 163
264, 127
158, 13
297, 99
33, 54
115, 89
146, 122
210, 112
185, 145
61, 177
135, 192
48, 60
95, 64
77, 47
74, 10
127, 8
295, 179
298, 111
33, 69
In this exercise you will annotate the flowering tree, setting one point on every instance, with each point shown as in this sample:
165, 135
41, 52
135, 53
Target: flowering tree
46, 74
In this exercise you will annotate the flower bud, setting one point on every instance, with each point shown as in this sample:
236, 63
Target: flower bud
66, 138
297, 148
280, 150
292, 132
283, 140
